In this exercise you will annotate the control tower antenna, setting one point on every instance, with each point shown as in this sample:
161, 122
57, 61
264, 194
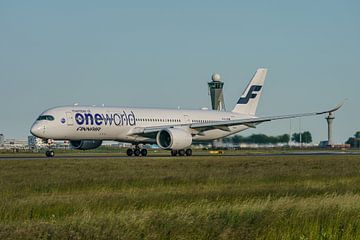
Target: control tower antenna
216, 92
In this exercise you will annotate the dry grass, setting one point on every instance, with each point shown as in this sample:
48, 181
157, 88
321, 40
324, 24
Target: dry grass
292, 197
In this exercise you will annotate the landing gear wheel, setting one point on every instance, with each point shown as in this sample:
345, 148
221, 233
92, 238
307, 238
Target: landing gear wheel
129, 152
181, 152
143, 152
174, 153
137, 152
50, 153
188, 152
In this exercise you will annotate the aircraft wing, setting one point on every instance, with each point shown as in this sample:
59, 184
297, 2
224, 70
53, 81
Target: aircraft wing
251, 122
223, 125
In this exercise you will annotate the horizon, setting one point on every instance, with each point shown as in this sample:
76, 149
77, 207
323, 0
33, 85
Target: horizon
162, 54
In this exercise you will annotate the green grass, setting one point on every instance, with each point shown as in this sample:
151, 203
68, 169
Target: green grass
292, 197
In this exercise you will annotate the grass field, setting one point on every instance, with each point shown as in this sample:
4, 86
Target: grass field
215, 197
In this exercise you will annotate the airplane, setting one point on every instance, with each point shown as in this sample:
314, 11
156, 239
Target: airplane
86, 127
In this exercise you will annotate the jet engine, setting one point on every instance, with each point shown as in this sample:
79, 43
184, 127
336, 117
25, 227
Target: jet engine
86, 144
173, 138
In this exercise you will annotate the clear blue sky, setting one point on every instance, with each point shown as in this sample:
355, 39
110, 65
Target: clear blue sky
162, 53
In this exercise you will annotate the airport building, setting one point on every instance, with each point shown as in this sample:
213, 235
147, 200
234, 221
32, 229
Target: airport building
35, 143
15, 144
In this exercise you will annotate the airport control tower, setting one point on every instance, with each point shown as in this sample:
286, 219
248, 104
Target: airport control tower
330, 118
216, 92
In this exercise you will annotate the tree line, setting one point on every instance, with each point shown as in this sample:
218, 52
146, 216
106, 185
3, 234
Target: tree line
264, 139
354, 141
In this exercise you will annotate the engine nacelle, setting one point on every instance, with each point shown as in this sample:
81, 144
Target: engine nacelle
173, 138
86, 144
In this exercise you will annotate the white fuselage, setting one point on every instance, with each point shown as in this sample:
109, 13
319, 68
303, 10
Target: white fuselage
173, 129
118, 123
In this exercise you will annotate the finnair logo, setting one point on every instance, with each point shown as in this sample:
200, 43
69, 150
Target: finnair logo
118, 119
252, 93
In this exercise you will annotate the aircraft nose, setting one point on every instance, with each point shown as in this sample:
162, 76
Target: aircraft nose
37, 130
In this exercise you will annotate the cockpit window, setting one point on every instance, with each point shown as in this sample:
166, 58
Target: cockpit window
46, 117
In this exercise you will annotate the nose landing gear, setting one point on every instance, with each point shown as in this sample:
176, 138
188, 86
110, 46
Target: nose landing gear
49, 152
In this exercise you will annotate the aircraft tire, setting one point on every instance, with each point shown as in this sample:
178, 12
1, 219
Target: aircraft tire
181, 152
143, 152
50, 153
137, 152
188, 152
129, 152
174, 153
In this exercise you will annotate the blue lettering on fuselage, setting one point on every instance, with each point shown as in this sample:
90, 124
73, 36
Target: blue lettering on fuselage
107, 118
98, 119
118, 119
89, 120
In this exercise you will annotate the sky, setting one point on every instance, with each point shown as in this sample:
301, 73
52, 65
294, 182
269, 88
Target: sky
162, 54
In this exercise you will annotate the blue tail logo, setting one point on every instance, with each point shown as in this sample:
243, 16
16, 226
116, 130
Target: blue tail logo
252, 93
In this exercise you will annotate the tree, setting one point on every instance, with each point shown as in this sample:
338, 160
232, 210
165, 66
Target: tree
284, 138
357, 134
353, 141
295, 137
259, 139
236, 139
305, 137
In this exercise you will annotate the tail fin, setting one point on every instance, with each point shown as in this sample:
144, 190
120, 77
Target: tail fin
249, 100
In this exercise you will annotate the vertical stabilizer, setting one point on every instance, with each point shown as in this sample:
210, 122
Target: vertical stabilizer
249, 100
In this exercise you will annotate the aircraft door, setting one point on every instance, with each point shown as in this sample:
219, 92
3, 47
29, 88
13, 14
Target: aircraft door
186, 119
69, 118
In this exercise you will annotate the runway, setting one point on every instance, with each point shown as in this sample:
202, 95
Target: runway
202, 155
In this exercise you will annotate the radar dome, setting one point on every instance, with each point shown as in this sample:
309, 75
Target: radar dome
216, 77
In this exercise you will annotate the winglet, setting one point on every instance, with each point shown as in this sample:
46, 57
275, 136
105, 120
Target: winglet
335, 108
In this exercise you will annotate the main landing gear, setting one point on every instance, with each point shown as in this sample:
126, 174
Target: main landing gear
137, 151
182, 152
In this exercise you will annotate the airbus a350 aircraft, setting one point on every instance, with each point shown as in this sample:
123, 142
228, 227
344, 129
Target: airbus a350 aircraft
172, 129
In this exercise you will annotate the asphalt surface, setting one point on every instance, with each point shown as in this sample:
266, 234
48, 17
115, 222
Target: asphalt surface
85, 156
